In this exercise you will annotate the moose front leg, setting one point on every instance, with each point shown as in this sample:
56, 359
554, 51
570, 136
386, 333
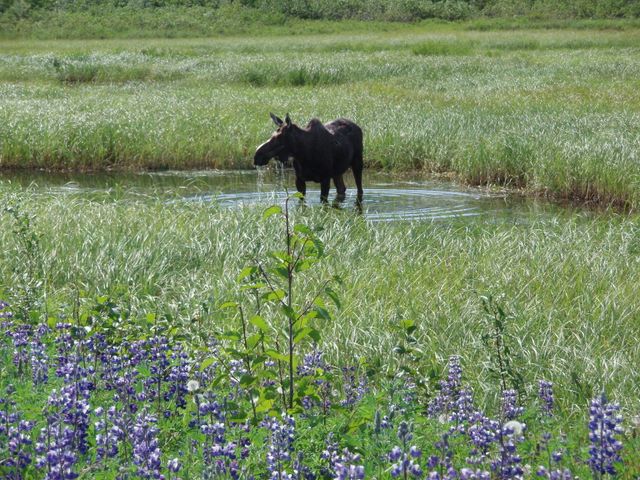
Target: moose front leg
324, 190
301, 186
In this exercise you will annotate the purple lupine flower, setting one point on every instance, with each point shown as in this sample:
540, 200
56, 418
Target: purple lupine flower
353, 388
509, 464
441, 466
158, 360
348, 466
453, 403
545, 393
483, 432
281, 437
64, 435
343, 465
220, 455
558, 474
38, 357
237, 369
469, 474
20, 335
174, 465
108, 433
300, 470
604, 426
312, 362
405, 458
146, 452
510, 410
177, 378
15, 438
4, 310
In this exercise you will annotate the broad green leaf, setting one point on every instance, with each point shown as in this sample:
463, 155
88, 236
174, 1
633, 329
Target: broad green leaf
272, 210
245, 272
207, 362
274, 295
229, 305
253, 340
290, 313
408, 325
323, 313
303, 229
277, 355
238, 417
284, 257
265, 404
330, 292
282, 272
315, 335
301, 334
247, 380
304, 265
230, 335
259, 322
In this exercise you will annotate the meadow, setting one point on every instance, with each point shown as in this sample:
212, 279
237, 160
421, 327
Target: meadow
117, 304
150, 338
553, 112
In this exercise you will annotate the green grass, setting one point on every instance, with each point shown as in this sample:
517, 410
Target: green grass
569, 280
554, 112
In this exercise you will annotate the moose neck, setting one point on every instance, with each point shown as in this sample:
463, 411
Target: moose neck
299, 143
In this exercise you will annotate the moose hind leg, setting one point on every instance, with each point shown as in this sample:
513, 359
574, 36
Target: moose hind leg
341, 188
324, 190
357, 175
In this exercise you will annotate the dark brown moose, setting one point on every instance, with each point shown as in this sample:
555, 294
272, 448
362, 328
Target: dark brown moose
320, 153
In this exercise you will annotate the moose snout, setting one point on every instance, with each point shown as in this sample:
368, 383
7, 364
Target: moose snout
262, 155
260, 159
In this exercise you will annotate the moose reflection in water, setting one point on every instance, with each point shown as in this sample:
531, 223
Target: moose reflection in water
320, 153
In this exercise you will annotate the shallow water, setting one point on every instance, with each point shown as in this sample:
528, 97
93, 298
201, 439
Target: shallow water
386, 197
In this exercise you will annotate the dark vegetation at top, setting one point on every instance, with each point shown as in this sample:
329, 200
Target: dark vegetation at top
98, 18
401, 10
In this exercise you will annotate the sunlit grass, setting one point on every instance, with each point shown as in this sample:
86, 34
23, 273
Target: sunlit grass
554, 112
570, 281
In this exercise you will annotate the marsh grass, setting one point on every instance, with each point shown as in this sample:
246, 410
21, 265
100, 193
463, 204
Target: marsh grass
569, 281
554, 112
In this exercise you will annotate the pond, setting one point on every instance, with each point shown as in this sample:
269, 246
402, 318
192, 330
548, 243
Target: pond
387, 197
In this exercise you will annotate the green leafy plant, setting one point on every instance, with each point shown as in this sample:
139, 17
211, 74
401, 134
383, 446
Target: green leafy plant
497, 340
283, 319
29, 284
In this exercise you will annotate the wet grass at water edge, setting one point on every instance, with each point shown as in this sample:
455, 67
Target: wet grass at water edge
551, 111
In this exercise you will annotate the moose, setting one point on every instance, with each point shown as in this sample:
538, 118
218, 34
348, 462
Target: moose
320, 153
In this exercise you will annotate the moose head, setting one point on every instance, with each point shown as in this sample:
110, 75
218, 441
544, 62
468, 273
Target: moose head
279, 145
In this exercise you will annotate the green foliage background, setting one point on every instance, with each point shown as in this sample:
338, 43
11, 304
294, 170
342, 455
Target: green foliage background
20, 17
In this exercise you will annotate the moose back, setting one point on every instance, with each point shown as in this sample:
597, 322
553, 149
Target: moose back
320, 153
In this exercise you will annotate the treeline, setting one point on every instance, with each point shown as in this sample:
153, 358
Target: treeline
394, 10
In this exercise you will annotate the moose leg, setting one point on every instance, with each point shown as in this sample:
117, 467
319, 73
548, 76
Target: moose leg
301, 185
341, 189
356, 167
324, 190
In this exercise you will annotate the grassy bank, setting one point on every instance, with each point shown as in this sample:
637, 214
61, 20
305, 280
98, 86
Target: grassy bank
551, 111
569, 282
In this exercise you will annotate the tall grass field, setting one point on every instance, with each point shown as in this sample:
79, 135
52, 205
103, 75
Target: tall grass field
147, 336
553, 112
122, 317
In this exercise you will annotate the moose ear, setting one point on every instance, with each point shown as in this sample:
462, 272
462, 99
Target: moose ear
287, 119
276, 120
